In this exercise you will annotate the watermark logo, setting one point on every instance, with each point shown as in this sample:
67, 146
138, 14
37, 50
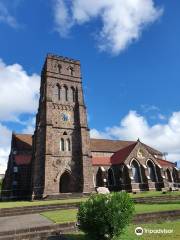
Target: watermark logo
139, 231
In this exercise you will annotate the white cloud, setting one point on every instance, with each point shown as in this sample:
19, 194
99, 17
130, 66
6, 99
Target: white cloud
122, 21
19, 91
30, 125
149, 108
5, 142
165, 137
19, 95
97, 134
161, 116
6, 17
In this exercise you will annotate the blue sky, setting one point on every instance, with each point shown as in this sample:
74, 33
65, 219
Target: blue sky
131, 72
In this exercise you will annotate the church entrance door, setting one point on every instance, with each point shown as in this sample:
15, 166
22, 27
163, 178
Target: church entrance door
64, 183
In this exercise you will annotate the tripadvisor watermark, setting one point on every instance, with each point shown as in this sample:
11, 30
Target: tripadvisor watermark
140, 231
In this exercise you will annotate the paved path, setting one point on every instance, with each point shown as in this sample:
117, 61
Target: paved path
23, 221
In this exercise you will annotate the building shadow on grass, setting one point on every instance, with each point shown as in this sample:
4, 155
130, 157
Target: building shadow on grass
75, 236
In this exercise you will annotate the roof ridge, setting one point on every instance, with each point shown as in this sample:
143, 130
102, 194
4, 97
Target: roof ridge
23, 134
124, 152
130, 145
118, 140
149, 148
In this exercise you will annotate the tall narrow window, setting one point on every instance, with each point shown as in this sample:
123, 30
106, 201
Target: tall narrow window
59, 68
111, 180
73, 94
59, 92
68, 145
62, 144
71, 69
66, 93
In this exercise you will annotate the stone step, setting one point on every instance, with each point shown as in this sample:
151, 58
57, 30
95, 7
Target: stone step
35, 209
30, 233
42, 208
58, 229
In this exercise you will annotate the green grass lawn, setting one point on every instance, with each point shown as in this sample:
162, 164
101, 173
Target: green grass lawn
142, 208
129, 233
39, 203
62, 216
42, 202
154, 194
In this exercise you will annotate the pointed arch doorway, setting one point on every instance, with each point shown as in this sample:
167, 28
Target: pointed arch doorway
99, 177
64, 182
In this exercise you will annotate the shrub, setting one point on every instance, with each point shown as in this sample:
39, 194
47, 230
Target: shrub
105, 216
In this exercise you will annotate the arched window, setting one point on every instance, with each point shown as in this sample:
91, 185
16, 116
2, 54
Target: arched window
169, 178
125, 175
99, 178
151, 170
68, 145
111, 181
64, 133
159, 175
66, 93
73, 94
136, 171
62, 148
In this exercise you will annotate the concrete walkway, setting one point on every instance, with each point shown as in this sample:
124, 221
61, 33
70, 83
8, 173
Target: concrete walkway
23, 221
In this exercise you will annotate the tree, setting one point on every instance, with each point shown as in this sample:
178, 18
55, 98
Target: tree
105, 216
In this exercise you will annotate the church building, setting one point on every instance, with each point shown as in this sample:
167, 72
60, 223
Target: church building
60, 157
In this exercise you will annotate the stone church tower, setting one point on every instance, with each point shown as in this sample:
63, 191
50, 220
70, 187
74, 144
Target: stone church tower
61, 144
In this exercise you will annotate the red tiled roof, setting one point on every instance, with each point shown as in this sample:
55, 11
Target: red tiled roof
165, 163
121, 155
103, 161
22, 141
23, 159
106, 145
116, 158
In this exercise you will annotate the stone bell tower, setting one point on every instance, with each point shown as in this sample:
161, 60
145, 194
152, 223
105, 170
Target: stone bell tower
61, 145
